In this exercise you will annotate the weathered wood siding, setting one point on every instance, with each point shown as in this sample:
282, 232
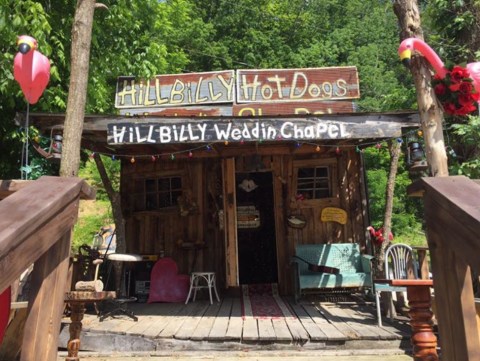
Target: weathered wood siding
154, 232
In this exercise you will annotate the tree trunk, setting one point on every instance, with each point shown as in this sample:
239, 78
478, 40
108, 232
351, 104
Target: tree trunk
394, 148
77, 94
431, 114
115, 200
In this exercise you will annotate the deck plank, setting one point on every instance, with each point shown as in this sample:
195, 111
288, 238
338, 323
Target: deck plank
235, 325
330, 313
220, 326
250, 329
188, 328
333, 334
282, 332
362, 326
174, 325
158, 323
316, 334
295, 326
266, 332
399, 329
147, 315
206, 323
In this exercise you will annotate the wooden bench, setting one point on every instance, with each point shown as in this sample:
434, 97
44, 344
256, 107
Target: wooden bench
354, 269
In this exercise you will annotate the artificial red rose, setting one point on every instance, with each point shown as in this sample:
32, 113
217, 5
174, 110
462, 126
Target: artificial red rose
449, 108
466, 109
465, 99
454, 87
440, 89
475, 97
465, 87
437, 77
458, 73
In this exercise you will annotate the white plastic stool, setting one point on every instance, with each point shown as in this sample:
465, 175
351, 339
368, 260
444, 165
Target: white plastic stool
209, 278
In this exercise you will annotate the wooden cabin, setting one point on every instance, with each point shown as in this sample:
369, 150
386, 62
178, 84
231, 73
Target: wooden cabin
232, 183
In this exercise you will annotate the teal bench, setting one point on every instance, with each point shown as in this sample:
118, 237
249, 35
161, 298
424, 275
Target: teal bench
354, 270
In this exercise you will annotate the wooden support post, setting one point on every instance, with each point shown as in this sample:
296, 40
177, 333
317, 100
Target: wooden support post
46, 304
424, 341
75, 328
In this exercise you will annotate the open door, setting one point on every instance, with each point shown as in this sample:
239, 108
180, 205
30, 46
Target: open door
256, 236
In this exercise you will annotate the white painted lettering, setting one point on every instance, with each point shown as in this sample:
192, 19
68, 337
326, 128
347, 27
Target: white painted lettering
165, 134
298, 93
118, 135
137, 133
285, 130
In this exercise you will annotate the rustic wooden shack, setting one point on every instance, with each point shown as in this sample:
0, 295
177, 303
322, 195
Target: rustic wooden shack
228, 171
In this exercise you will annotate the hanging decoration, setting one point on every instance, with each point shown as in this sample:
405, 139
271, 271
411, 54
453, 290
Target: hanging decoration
457, 88
55, 150
31, 69
456, 92
377, 236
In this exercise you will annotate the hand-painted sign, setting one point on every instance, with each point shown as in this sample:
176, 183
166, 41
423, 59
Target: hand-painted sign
333, 214
281, 85
182, 130
294, 108
247, 110
231, 130
175, 90
267, 87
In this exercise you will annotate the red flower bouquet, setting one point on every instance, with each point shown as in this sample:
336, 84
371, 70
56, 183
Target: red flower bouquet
456, 92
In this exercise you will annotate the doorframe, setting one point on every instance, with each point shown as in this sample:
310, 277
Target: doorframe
230, 229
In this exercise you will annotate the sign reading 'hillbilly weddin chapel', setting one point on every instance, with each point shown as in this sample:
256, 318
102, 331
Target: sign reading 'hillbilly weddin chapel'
238, 129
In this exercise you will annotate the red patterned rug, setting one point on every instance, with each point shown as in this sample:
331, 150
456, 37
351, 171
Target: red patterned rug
262, 301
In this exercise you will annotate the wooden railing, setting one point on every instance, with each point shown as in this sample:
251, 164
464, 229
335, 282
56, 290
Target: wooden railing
35, 227
452, 214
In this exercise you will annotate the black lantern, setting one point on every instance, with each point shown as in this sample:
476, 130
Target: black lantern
416, 157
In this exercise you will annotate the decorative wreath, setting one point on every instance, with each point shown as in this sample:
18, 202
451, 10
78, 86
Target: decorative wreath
456, 92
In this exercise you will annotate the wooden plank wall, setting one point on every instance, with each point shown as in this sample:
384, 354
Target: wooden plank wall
152, 232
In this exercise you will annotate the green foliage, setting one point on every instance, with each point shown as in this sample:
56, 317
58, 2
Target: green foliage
465, 158
454, 27
93, 215
89, 172
406, 213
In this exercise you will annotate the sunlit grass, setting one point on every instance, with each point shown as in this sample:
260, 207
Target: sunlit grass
92, 216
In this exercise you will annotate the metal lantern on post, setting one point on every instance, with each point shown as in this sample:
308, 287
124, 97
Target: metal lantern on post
56, 146
416, 157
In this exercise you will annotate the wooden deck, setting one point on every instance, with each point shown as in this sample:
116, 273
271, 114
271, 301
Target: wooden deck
334, 323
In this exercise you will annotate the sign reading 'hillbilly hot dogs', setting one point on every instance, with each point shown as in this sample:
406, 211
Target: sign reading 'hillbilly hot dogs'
242, 86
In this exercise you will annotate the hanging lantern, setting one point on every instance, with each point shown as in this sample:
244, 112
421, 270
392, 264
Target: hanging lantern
55, 150
57, 146
416, 157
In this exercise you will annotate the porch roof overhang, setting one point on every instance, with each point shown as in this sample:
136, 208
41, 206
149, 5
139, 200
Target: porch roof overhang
361, 128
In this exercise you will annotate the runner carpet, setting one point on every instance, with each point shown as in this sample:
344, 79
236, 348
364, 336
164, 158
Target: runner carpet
262, 301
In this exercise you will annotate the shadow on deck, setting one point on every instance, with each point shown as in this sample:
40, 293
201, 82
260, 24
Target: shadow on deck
336, 323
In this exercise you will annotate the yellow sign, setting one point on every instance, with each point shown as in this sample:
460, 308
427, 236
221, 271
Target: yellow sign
332, 214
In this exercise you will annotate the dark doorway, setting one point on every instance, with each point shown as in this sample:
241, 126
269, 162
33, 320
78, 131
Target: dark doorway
257, 255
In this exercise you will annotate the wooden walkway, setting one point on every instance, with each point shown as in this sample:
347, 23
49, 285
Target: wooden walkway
315, 324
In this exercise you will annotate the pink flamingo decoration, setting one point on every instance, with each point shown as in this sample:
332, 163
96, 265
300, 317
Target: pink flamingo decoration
31, 69
463, 103
409, 45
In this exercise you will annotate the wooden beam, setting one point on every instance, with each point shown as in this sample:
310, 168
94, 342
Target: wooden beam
26, 211
10, 186
230, 222
46, 303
